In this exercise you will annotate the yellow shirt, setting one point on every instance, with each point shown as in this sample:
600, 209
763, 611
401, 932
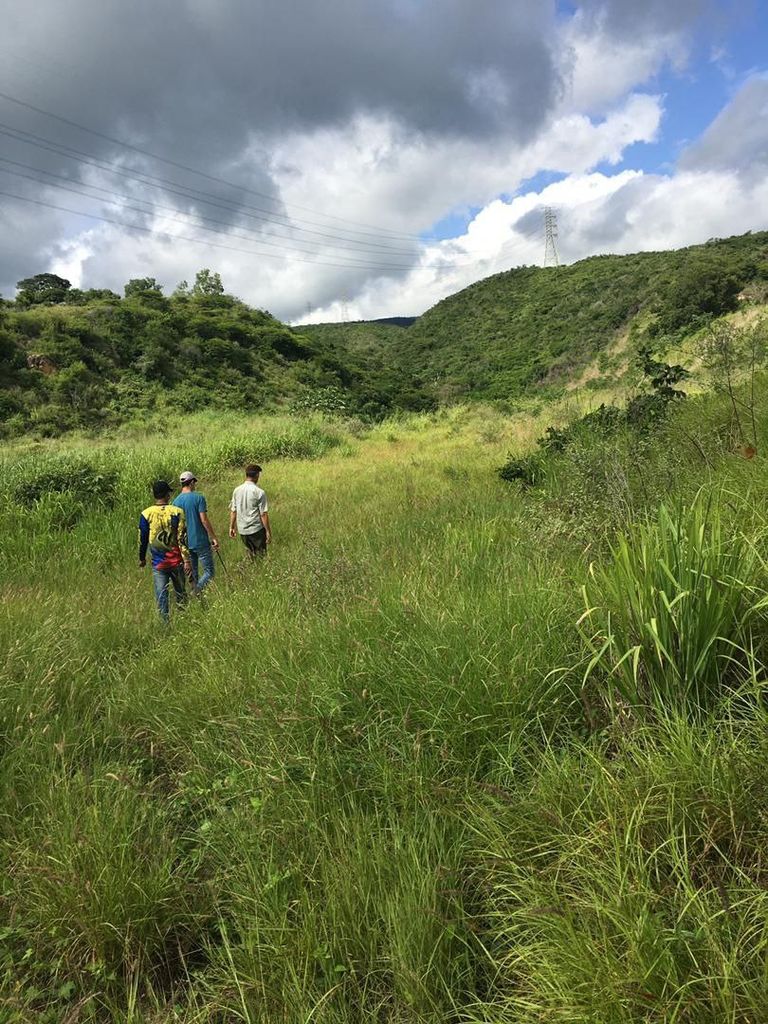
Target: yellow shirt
163, 529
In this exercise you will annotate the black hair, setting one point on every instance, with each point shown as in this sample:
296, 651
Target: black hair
252, 470
161, 489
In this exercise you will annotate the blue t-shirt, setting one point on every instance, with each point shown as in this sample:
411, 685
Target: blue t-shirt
193, 504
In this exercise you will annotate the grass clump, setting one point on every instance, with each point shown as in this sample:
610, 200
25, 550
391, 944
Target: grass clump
103, 877
630, 888
669, 617
62, 474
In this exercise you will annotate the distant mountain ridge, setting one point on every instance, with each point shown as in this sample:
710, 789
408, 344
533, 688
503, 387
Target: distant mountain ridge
397, 321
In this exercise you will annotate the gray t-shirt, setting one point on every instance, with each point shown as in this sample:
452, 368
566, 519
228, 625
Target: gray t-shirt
249, 502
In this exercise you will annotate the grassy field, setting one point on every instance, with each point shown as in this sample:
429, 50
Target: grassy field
456, 752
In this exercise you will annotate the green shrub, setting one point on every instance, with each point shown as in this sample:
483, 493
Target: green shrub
62, 474
528, 469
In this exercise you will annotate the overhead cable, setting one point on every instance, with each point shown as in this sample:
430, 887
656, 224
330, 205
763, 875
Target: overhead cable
186, 167
176, 188
126, 201
186, 238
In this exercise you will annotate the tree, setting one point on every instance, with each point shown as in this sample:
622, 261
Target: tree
207, 283
77, 387
699, 292
660, 378
159, 346
146, 291
42, 288
12, 361
101, 293
732, 356
137, 287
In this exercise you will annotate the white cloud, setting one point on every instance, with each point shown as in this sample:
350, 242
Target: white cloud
602, 67
376, 164
406, 183
373, 172
738, 137
598, 213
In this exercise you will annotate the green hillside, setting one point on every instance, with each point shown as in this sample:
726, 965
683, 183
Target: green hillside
72, 359
364, 337
533, 328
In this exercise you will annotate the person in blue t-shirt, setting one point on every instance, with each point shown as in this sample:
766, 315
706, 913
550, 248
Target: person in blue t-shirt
201, 537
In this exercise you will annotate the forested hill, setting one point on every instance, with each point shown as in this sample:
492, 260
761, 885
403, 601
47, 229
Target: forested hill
536, 327
92, 359
72, 359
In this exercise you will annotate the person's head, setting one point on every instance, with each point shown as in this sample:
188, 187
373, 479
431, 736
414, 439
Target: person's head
161, 490
187, 479
252, 472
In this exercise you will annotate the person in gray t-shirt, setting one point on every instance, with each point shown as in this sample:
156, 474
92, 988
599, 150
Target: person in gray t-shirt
249, 514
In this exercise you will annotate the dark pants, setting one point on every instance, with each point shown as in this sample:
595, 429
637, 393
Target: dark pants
164, 579
256, 543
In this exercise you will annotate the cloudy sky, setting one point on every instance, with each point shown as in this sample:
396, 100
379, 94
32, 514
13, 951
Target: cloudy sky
365, 158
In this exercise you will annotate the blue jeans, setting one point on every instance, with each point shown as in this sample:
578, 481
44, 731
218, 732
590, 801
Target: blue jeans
202, 557
163, 580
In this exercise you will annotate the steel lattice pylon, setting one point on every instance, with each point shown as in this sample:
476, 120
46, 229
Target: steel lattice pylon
551, 259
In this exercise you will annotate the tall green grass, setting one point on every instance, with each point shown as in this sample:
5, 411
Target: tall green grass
50, 490
363, 781
631, 888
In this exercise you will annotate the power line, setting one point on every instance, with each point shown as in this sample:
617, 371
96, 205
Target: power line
291, 246
185, 167
47, 65
126, 201
184, 191
186, 238
196, 195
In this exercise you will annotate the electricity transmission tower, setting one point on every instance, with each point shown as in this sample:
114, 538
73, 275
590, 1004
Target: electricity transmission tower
551, 259
344, 308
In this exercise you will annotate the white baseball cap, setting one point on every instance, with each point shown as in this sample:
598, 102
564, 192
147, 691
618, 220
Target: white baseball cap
187, 477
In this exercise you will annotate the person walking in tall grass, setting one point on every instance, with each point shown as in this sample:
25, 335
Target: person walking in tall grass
249, 514
201, 537
162, 530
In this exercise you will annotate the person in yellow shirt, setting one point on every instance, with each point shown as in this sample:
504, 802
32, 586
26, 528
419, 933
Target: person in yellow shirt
163, 530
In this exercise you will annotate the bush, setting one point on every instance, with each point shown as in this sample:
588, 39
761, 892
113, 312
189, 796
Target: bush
529, 470
64, 474
329, 400
588, 441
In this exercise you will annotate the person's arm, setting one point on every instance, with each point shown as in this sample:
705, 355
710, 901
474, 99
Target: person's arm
264, 514
209, 530
265, 524
233, 517
143, 540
